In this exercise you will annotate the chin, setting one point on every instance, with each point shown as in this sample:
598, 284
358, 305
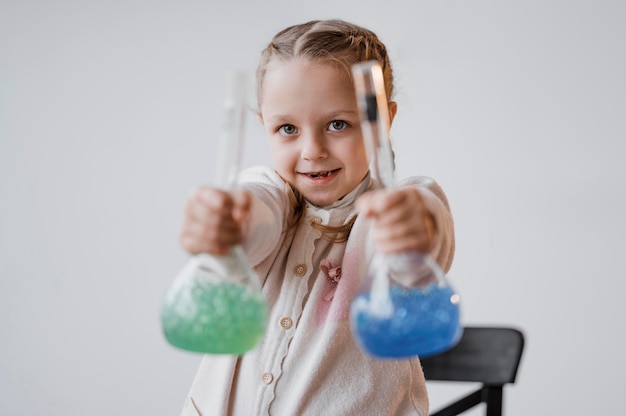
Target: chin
320, 201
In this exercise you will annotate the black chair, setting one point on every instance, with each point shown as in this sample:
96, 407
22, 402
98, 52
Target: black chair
487, 355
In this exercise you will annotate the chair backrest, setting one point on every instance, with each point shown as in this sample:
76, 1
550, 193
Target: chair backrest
489, 355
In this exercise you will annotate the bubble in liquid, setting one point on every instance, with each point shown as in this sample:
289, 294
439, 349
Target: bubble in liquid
425, 322
222, 318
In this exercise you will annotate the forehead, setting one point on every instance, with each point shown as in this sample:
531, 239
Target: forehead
306, 78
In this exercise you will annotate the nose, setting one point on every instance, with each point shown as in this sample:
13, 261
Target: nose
313, 146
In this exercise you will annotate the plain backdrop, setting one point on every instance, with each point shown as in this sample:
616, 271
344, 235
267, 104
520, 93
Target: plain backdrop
108, 116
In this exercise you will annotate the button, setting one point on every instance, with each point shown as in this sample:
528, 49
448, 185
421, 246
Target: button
286, 322
267, 378
300, 269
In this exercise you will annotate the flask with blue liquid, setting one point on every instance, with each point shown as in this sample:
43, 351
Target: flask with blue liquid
405, 307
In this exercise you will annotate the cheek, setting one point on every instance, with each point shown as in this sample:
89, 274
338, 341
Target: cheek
356, 153
281, 156
361, 164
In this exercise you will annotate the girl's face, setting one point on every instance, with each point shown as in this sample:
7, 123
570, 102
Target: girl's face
311, 118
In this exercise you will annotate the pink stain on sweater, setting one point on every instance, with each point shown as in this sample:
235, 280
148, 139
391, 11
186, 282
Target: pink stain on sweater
341, 285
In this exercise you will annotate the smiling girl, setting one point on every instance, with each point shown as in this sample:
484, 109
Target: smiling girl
310, 226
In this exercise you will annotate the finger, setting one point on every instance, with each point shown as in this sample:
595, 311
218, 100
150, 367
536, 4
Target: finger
242, 202
198, 238
401, 238
216, 199
204, 203
372, 203
208, 224
395, 205
417, 225
406, 223
398, 230
383, 200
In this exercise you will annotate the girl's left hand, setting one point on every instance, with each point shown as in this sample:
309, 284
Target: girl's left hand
401, 220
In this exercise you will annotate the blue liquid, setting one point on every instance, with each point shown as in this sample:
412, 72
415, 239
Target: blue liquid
425, 321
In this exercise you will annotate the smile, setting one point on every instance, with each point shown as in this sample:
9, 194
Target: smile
320, 174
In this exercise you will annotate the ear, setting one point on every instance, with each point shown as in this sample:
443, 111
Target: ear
393, 108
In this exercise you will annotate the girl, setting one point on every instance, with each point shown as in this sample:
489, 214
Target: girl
310, 227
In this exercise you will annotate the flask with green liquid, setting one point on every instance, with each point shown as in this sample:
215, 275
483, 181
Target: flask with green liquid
215, 304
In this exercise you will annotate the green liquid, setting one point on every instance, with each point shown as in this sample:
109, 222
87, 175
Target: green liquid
222, 318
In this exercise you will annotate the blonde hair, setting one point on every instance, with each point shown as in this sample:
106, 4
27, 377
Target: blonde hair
335, 42
328, 41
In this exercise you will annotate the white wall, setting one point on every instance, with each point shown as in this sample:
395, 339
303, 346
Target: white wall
107, 117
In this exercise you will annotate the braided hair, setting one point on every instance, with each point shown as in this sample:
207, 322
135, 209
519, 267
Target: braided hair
334, 42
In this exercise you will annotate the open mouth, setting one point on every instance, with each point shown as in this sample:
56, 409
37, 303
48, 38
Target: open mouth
320, 174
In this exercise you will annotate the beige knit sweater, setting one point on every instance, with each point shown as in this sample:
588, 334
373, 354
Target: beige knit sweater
308, 362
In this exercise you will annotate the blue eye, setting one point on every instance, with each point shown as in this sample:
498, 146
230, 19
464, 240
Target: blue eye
287, 129
337, 125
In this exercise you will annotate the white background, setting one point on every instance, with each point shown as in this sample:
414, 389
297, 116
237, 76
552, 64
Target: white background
108, 112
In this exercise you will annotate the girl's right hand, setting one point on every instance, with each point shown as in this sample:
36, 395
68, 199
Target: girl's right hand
213, 220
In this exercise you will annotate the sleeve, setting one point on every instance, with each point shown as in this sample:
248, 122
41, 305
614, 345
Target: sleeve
437, 202
269, 212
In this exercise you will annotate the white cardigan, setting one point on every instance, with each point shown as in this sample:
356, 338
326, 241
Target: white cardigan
308, 362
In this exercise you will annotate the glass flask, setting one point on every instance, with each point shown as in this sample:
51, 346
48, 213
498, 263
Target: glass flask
405, 307
215, 304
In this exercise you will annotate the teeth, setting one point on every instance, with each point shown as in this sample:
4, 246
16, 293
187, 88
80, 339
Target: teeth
319, 174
